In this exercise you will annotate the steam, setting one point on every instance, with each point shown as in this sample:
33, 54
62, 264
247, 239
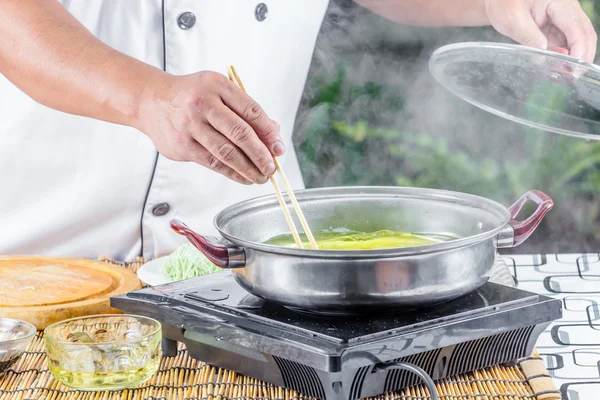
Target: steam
396, 57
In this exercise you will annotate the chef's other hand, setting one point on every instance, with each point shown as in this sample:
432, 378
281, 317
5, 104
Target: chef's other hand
207, 119
545, 24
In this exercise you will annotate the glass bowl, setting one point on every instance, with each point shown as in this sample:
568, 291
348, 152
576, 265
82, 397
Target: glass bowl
103, 352
15, 336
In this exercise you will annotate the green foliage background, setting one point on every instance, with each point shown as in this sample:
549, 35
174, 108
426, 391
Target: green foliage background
372, 114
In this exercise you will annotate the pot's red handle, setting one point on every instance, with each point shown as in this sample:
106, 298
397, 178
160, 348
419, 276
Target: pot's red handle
523, 229
218, 254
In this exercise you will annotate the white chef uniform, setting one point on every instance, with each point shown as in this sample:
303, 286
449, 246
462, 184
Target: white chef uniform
74, 186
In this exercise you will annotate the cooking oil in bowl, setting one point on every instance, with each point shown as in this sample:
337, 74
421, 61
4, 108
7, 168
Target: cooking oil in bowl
108, 352
352, 240
93, 381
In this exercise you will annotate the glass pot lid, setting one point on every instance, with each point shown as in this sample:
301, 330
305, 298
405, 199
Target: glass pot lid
538, 88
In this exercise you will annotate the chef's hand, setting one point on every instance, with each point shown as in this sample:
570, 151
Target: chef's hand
206, 119
545, 24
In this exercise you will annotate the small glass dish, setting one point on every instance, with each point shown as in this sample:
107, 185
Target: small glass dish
15, 336
104, 352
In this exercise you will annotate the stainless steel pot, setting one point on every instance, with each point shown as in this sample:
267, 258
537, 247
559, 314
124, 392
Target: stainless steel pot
355, 281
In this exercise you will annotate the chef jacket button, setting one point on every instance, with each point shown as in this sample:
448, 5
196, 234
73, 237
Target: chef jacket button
160, 209
261, 11
186, 20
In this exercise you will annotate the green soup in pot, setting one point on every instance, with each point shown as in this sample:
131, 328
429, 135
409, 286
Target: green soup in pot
351, 240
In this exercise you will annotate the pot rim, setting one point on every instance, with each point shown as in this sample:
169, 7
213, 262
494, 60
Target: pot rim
480, 202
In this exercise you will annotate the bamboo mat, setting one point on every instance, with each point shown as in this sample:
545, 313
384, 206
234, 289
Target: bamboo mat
184, 378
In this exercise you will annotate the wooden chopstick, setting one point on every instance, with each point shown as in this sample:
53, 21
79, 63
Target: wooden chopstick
303, 222
286, 213
234, 77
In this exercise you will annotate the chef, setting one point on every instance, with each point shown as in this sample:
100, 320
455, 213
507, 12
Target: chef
116, 115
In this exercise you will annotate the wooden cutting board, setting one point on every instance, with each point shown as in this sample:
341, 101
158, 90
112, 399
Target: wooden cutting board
44, 290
